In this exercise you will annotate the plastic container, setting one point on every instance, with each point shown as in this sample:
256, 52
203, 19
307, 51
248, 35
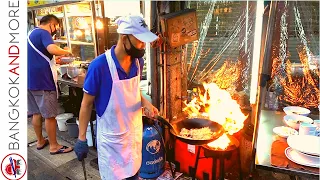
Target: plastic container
89, 134
72, 126
271, 98
61, 121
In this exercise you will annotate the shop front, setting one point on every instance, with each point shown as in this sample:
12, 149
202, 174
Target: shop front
77, 30
250, 62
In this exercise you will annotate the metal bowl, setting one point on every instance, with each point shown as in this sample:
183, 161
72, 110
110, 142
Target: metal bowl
67, 59
73, 71
62, 69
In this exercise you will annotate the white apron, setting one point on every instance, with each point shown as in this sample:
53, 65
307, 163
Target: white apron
119, 129
51, 62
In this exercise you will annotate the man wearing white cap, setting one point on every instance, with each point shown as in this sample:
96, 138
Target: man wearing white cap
112, 85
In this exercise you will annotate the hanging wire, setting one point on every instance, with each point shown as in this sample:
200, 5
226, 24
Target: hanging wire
203, 33
238, 26
301, 32
224, 45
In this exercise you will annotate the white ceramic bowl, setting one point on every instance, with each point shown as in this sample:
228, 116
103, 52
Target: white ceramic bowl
284, 131
293, 120
296, 110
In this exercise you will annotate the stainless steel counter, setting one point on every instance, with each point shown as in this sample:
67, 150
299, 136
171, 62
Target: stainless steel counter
269, 120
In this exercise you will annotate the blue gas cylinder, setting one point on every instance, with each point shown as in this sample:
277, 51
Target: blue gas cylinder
153, 159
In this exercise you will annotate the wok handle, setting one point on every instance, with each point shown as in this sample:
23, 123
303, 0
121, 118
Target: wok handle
165, 121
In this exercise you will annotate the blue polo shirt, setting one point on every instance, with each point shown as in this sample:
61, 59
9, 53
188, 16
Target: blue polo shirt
39, 71
98, 81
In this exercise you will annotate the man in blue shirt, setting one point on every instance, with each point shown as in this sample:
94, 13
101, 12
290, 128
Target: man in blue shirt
42, 87
112, 84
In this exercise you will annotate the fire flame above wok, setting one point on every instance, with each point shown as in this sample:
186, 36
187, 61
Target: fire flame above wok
217, 105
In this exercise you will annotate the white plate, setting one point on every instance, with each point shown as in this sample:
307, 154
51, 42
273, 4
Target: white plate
305, 143
284, 131
302, 159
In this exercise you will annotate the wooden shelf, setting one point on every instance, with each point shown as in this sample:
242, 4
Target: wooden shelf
81, 43
74, 42
76, 14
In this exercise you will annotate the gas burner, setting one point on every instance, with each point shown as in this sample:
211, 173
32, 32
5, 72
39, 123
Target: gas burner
221, 155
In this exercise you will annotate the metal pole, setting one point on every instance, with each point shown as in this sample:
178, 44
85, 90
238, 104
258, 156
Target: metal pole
154, 59
84, 169
67, 27
94, 29
264, 77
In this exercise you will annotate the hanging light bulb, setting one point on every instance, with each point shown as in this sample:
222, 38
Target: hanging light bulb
99, 24
78, 32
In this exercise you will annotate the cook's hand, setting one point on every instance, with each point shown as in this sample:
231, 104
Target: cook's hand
81, 149
69, 53
150, 111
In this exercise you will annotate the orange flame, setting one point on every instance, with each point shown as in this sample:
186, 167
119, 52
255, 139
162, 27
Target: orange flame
217, 105
221, 143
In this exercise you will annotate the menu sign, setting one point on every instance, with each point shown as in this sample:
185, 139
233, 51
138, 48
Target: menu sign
49, 10
34, 3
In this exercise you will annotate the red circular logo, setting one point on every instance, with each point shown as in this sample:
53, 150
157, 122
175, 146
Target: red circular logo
13, 166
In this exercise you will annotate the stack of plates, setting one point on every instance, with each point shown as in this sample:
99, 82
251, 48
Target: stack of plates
304, 150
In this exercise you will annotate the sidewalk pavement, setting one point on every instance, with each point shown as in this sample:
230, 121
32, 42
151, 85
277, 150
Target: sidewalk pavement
43, 166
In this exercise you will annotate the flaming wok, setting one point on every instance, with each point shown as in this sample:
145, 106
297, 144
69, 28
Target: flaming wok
194, 123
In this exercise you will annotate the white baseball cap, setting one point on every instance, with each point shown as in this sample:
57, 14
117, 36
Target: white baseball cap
135, 25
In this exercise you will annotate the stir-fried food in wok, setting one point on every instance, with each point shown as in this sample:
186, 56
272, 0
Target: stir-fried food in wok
197, 134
